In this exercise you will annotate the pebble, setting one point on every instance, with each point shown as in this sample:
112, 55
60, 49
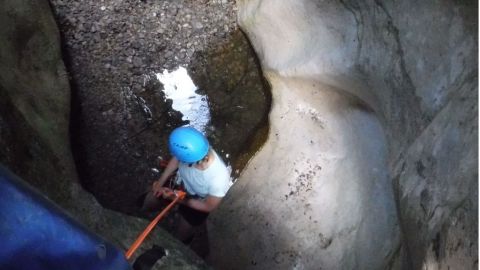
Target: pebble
137, 62
197, 25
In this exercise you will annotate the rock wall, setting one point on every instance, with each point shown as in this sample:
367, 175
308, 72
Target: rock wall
121, 116
371, 161
34, 128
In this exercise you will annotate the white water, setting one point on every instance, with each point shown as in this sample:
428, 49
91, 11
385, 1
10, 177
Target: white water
179, 87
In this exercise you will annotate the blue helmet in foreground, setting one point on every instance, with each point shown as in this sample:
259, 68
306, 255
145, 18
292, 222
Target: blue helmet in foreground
188, 145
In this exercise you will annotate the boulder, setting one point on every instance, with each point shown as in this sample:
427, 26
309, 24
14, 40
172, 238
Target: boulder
371, 160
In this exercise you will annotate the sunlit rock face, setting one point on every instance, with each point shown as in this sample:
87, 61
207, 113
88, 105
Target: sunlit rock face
371, 160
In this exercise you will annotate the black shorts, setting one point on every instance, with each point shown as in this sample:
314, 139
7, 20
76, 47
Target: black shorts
192, 216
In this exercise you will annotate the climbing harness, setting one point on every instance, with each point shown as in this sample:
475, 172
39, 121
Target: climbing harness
179, 195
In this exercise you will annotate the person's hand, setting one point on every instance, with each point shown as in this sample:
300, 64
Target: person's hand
168, 194
157, 189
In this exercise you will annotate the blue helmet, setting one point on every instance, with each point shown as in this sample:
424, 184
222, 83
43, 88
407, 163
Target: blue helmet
188, 145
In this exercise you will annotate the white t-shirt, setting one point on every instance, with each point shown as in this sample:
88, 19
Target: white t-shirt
213, 181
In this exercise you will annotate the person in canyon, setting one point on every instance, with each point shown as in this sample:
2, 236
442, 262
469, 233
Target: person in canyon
200, 171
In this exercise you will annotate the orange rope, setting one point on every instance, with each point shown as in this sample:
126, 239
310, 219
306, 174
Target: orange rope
180, 195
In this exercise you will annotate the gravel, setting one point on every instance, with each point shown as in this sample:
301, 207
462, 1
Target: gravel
139, 37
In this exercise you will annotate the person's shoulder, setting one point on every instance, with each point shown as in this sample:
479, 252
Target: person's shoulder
220, 181
218, 161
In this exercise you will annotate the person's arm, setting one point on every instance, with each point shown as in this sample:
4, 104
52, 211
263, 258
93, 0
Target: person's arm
169, 170
209, 204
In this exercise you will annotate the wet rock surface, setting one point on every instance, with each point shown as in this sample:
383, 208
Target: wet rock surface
121, 119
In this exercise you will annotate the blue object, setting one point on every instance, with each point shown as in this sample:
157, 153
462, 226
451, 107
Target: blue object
188, 145
35, 234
